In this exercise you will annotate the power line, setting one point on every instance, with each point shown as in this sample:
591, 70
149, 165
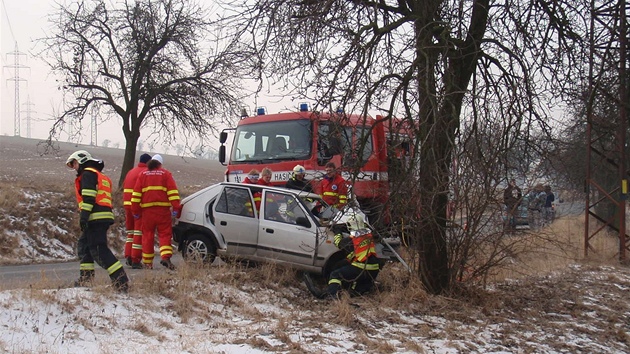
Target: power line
6, 14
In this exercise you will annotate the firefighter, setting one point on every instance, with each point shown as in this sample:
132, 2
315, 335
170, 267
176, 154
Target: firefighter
94, 194
334, 187
297, 180
133, 226
155, 199
362, 267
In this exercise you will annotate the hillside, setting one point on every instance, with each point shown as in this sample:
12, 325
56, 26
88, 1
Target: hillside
21, 161
39, 220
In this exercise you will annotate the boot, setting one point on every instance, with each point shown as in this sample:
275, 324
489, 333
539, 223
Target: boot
168, 264
137, 265
318, 293
120, 281
129, 262
86, 278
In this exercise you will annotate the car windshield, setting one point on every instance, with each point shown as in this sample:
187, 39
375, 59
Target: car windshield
283, 140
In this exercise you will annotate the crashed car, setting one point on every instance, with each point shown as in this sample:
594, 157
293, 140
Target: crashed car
291, 227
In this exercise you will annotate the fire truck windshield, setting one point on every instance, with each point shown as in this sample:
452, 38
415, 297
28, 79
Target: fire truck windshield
279, 140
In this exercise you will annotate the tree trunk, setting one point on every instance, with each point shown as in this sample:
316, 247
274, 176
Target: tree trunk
438, 124
129, 159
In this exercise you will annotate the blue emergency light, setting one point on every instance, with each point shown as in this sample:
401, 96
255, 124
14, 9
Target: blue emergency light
303, 107
260, 111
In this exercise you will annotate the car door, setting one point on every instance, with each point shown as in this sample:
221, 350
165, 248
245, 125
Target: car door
279, 236
234, 218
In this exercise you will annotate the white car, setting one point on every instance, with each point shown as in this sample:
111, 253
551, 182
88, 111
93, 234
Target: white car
291, 227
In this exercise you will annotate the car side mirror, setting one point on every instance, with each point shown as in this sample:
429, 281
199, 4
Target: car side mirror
223, 137
302, 221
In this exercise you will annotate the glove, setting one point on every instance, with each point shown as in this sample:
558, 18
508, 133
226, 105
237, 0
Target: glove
83, 224
177, 211
338, 238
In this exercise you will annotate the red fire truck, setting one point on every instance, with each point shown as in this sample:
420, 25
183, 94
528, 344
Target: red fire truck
311, 139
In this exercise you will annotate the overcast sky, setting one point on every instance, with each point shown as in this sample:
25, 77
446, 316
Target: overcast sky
24, 21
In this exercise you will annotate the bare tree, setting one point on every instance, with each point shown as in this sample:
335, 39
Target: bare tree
160, 65
437, 64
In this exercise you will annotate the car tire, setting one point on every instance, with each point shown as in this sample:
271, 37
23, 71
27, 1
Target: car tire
199, 248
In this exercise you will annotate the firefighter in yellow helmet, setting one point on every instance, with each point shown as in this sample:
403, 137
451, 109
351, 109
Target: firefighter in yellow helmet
359, 274
94, 195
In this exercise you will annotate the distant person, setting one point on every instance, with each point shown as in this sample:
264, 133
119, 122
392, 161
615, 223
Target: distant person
297, 180
548, 212
334, 187
512, 196
252, 177
94, 194
133, 226
156, 199
535, 203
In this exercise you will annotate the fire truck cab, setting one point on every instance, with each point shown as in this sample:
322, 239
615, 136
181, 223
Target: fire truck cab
358, 145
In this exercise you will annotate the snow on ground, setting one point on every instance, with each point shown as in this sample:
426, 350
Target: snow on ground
212, 311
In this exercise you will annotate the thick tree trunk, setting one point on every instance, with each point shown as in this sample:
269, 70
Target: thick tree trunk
438, 124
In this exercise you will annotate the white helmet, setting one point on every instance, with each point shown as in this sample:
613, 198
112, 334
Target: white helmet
81, 156
355, 222
299, 169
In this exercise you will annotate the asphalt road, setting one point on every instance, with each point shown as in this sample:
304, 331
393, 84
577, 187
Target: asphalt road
54, 275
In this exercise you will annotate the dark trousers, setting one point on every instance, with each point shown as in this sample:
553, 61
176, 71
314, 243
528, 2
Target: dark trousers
356, 279
92, 247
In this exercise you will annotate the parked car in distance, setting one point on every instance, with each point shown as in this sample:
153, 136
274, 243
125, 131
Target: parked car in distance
521, 216
291, 227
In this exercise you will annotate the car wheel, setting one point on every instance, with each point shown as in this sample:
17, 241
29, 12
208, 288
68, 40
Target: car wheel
199, 248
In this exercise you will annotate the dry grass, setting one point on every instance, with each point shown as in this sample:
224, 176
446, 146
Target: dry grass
557, 247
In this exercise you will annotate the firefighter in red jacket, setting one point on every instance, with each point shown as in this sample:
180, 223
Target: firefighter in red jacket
94, 194
155, 198
334, 187
363, 266
133, 226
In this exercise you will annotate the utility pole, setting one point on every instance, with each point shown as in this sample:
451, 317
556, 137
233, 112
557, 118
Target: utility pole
28, 111
16, 79
608, 54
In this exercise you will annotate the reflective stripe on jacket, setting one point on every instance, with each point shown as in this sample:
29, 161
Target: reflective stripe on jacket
335, 191
130, 182
154, 188
94, 195
363, 243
